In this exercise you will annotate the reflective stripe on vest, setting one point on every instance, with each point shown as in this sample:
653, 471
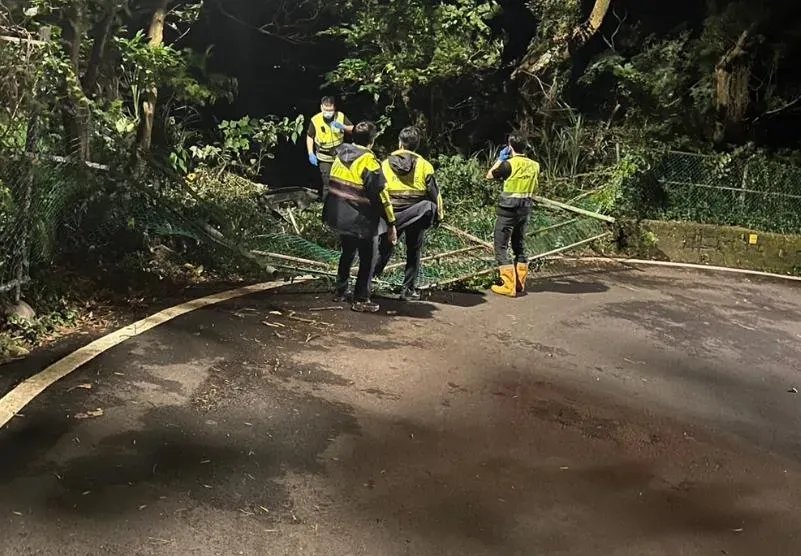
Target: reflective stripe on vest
346, 181
409, 186
326, 137
523, 182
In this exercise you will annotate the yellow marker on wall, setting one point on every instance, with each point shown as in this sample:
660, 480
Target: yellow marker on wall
752, 239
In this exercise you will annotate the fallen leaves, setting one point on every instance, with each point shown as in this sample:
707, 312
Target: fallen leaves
86, 386
89, 414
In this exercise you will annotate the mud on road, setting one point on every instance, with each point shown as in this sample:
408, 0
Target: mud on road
607, 412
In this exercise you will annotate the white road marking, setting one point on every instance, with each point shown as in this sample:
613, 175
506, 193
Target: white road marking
27, 391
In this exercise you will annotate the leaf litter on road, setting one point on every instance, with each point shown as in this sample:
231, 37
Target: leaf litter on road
86, 386
89, 414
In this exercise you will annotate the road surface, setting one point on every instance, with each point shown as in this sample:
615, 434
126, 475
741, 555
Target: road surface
611, 411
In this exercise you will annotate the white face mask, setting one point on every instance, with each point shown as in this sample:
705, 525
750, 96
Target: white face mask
328, 114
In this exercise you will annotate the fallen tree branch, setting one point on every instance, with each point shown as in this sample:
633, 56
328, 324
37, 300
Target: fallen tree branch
564, 46
781, 108
19, 40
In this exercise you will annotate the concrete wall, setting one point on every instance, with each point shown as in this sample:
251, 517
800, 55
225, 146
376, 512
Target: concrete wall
689, 242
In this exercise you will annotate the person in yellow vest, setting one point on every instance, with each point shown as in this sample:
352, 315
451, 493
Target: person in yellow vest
520, 177
325, 134
417, 202
359, 209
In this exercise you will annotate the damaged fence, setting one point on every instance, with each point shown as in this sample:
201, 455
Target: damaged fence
456, 252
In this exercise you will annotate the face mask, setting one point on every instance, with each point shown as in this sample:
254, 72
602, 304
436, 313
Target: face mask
328, 114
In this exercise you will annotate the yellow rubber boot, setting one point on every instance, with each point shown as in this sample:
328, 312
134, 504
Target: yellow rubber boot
522, 274
509, 287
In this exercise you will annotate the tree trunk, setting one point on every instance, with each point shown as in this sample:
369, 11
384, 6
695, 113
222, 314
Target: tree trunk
732, 93
148, 108
74, 113
101, 35
563, 47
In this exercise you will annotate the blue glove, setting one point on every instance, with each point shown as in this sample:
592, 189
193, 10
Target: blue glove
312, 159
338, 125
505, 155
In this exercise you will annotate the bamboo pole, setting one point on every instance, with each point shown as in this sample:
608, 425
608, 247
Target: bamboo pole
438, 256
553, 227
297, 260
576, 210
571, 246
469, 236
534, 258
292, 220
329, 273
586, 194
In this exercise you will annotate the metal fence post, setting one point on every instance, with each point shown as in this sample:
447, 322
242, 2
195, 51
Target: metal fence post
744, 184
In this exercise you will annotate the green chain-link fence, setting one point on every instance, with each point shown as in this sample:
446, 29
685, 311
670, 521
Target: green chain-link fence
51, 208
749, 192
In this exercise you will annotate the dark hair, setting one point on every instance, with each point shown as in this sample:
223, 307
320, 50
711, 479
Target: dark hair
364, 133
328, 101
409, 138
518, 143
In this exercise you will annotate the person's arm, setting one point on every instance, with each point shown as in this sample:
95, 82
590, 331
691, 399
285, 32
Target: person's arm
346, 126
435, 195
311, 133
500, 171
491, 171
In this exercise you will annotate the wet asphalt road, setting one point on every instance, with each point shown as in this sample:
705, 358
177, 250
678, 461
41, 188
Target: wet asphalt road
610, 411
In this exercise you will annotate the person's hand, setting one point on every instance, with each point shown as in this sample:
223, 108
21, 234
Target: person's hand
392, 235
339, 126
505, 155
313, 159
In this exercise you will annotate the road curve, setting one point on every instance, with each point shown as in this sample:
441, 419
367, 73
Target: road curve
610, 411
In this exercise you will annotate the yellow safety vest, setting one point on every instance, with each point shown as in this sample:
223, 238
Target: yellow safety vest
524, 180
326, 138
410, 186
347, 183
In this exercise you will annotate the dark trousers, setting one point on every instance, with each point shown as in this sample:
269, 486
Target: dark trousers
366, 248
415, 239
511, 225
325, 178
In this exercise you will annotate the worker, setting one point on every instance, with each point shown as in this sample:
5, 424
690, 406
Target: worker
417, 202
325, 134
520, 177
358, 207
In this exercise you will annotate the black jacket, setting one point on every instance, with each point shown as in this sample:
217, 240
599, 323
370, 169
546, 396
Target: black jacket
362, 211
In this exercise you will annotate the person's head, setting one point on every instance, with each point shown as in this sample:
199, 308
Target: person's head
328, 106
518, 143
409, 138
364, 134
